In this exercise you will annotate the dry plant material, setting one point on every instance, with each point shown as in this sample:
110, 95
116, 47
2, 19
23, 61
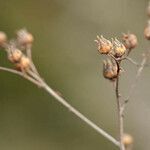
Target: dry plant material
19, 53
104, 45
116, 51
127, 141
110, 69
147, 31
130, 40
3, 38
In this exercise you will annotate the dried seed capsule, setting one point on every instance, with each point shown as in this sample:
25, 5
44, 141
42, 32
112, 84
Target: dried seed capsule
130, 41
24, 37
127, 140
119, 49
110, 69
104, 45
148, 10
15, 56
147, 31
3, 38
24, 63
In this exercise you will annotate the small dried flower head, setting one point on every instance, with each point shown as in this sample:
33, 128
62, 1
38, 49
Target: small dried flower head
24, 63
15, 55
110, 69
127, 140
119, 49
104, 45
130, 41
24, 37
148, 10
3, 38
147, 31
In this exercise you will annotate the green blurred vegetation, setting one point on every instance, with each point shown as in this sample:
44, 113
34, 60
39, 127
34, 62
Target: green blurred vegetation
65, 54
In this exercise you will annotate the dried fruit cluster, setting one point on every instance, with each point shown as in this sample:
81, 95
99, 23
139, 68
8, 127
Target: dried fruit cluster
17, 49
19, 54
116, 52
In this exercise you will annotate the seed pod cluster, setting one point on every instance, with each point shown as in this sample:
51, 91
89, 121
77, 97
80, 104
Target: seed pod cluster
15, 50
115, 48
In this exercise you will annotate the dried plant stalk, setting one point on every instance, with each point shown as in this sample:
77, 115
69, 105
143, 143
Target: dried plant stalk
26, 69
20, 55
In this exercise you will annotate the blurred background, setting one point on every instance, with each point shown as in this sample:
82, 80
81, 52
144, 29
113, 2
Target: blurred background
66, 56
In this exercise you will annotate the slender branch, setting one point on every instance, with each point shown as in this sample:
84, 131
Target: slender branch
28, 50
21, 74
81, 116
139, 71
132, 61
124, 58
120, 111
29, 54
37, 80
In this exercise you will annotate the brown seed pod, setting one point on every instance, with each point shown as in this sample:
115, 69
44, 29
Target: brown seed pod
119, 49
147, 31
104, 45
127, 140
130, 41
24, 63
3, 38
24, 37
110, 69
15, 56
148, 10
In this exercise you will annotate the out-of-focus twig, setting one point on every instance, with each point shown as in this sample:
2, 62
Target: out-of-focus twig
37, 80
139, 71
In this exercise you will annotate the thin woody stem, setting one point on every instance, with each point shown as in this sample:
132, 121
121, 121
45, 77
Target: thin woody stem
21, 74
119, 104
29, 54
120, 115
73, 110
37, 80
28, 50
81, 116
139, 71
132, 61
125, 58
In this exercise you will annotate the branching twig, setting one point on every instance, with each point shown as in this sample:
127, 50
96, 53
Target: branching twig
139, 71
132, 61
20, 55
119, 106
37, 80
21, 74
